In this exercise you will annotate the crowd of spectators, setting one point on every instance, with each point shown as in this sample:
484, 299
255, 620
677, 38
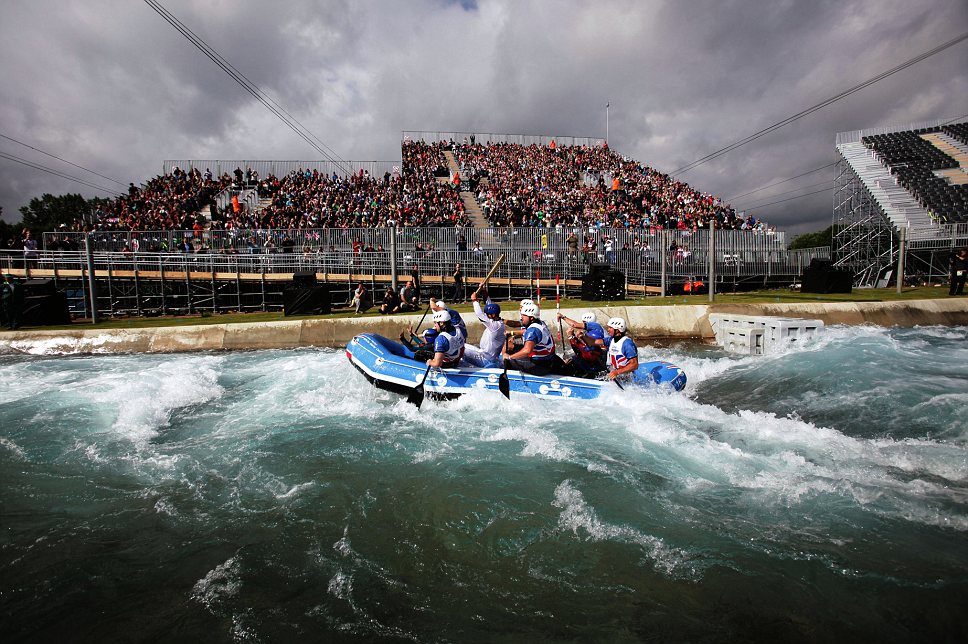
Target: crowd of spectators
516, 185
572, 186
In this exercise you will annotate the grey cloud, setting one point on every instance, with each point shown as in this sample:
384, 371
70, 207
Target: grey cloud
114, 88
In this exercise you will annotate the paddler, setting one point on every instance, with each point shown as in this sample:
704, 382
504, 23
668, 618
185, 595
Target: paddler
537, 356
449, 344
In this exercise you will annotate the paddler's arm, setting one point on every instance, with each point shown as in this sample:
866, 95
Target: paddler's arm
629, 367
523, 353
437, 360
575, 324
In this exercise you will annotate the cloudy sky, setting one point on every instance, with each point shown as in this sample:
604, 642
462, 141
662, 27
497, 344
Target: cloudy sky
112, 87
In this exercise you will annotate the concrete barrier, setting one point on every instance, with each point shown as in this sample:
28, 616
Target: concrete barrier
644, 322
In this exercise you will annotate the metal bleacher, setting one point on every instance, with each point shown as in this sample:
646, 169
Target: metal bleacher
899, 205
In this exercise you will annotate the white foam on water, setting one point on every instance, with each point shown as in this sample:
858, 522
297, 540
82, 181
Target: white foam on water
537, 441
219, 584
13, 449
63, 345
579, 518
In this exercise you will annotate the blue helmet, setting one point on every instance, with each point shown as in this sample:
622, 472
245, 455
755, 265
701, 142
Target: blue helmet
430, 335
595, 333
492, 309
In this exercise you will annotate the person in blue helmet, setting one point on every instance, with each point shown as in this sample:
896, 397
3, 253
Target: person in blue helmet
488, 354
449, 344
456, 319
422, 345
587, 323
588, 360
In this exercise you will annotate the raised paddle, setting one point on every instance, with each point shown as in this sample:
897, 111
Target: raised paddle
416, 396
500, 260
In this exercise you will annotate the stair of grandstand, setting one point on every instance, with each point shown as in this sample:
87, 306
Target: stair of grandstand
954, 149
899, 205
471, 207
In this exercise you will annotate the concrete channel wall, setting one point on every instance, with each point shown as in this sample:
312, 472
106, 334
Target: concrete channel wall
645, 323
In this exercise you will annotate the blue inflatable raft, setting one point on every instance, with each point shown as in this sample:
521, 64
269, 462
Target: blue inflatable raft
390, 365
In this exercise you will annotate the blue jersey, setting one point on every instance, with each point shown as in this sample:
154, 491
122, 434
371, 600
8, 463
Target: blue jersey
451, 345
544, 344
620, 352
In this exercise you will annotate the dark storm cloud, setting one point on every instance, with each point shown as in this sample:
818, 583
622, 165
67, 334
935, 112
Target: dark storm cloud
113, 87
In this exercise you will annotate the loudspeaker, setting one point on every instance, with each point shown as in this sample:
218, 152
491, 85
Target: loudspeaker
36, 287
45, 310
306, 301
304, 278
603, 285
821, 277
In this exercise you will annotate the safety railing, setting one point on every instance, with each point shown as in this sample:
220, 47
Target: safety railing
491, 137
264, 168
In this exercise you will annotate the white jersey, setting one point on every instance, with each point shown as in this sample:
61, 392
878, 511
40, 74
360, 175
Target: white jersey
492, 339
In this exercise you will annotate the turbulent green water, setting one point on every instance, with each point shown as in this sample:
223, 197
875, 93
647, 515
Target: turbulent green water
816, 495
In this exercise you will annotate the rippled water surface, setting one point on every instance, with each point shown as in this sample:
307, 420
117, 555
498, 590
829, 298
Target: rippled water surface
816, 495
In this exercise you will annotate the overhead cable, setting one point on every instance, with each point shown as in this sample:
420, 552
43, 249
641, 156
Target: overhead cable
249, 86
58, 173
833, 163
821, 105
53, 156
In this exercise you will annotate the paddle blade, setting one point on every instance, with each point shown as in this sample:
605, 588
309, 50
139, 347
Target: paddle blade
416, 396
503, 384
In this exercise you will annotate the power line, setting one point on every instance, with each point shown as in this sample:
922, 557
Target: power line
58, 173
247, 85
833, 163
821, 105
780, 194
772, 203
53, 156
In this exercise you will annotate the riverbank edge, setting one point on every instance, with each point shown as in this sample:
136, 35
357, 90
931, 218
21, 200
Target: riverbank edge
655, 323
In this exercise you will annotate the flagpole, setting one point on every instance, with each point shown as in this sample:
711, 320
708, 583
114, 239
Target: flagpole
606, 120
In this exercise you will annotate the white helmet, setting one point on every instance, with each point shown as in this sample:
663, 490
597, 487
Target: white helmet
440, 304
441, 316
531, 310
618, 324
524, 303
588, 317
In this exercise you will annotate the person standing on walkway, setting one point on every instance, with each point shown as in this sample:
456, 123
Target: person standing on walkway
458, 294
958, 272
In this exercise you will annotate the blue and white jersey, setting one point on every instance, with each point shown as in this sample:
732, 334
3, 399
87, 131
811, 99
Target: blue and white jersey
458, 323
451, 345
620, 352
544, 344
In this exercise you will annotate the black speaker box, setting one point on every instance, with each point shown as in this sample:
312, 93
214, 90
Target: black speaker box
45, 310
313, 300
304, 278
35, 287
603, 285
826, 281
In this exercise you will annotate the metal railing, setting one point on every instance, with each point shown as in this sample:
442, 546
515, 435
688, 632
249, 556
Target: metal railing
283, 168
491, 137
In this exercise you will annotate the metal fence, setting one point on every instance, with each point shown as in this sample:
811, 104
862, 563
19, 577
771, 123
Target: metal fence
491, 137
283, 168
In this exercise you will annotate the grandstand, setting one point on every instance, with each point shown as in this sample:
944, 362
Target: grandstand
912, 179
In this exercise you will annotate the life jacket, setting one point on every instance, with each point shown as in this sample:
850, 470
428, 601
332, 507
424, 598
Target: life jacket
590, 354
452, 344
544, 347
616, 359
458, 323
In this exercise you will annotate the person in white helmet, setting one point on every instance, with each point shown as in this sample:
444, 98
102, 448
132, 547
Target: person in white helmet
449, 344
456, 319
588, 322
622, 356
537, 356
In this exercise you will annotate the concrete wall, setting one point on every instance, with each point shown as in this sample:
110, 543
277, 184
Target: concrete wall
645, 322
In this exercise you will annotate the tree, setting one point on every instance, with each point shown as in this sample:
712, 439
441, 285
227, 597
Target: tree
49, 212
813, 240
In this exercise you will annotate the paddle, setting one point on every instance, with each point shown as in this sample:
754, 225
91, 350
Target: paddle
561, 330
500, 260
416, 396
503, 384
